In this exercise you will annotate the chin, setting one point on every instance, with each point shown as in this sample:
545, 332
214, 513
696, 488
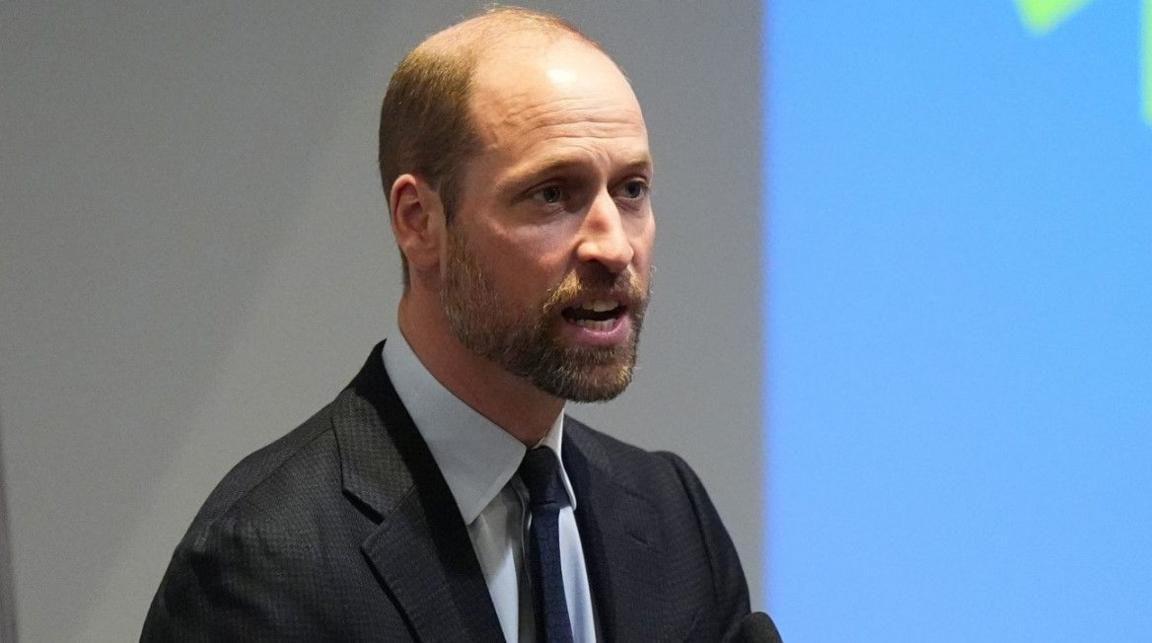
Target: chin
588, 384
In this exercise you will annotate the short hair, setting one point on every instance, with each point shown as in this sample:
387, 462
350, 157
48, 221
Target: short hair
426, 124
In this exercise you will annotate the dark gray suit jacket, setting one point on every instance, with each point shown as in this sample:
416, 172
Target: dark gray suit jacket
345, 530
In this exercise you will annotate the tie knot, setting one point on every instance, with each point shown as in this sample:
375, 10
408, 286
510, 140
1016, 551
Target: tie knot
539, 471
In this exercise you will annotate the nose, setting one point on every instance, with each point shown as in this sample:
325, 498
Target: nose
603, 238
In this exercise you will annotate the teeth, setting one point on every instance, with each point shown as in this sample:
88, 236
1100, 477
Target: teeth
595, 325
599, 305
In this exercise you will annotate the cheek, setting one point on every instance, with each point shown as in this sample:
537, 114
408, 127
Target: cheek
526, 261
541, 244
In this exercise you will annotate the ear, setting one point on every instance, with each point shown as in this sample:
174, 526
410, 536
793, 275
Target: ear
417, 223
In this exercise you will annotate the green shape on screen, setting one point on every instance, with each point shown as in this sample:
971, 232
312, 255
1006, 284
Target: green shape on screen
1042, 16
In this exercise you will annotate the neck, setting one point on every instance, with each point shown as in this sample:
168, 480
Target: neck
509, 401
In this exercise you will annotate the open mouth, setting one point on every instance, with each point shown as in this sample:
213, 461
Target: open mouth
595, 314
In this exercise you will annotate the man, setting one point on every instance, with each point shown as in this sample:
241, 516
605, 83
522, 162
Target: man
444, 495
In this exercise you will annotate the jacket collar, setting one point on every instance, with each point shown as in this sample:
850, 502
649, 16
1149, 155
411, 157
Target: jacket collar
620, 531
420, 549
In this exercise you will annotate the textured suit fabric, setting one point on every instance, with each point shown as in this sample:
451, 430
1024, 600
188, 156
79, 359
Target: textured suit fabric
344, 530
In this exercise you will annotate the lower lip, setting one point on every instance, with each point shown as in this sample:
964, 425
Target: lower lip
613, 335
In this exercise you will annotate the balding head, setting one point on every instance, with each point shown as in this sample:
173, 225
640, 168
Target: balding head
426, 125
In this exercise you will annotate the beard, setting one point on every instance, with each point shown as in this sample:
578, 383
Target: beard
527, 342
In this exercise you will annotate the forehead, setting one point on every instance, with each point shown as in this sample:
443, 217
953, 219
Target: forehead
536, 90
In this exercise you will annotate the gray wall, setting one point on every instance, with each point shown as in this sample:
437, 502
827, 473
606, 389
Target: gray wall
7, 604
195, 257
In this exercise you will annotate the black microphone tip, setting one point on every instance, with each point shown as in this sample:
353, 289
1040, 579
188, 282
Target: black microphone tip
757, 627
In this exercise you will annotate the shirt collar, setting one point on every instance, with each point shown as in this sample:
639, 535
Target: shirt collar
475, 456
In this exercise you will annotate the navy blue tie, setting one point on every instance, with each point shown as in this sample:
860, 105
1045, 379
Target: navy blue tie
540, 473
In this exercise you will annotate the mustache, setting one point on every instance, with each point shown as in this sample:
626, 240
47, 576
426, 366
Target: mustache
624, 287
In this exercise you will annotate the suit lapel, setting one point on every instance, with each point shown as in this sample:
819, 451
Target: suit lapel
420, 550
620, 534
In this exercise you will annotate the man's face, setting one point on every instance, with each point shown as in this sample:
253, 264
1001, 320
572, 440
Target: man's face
546, 269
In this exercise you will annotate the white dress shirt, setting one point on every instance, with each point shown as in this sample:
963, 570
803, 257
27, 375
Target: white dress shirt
479, 460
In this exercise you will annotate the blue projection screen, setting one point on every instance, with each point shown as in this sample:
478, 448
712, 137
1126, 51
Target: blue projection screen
958, 292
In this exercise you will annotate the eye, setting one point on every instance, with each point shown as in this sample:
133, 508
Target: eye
550, 194
634, 189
